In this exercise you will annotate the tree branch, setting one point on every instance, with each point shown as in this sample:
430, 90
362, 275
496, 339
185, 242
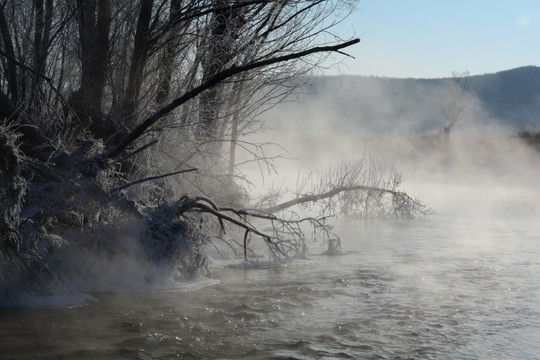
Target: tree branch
213, 81
331, 193
142, 148
152, 178
221, 217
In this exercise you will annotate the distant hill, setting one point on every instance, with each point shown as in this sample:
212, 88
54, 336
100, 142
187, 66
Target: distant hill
513, 96
373, 104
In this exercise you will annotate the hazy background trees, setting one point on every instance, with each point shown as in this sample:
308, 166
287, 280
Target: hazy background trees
457, 101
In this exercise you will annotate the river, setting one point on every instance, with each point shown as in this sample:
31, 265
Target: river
450, 285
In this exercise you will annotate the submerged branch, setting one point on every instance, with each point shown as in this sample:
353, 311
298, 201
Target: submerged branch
221, 216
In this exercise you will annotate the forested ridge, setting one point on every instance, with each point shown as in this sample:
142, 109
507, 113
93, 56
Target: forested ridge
367, 103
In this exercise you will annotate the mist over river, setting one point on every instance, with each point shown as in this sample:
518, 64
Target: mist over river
186, 180
446, 286
463, 283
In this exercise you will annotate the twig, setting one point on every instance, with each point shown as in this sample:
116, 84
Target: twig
138, 150
37, 73
150, 178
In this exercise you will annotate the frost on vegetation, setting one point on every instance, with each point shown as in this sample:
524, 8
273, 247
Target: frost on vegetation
69, 225
362, 188
80, 209
64, 230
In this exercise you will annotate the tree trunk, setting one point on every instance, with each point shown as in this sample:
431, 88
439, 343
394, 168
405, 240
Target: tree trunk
11, 66
232, 149
42, 31
94, 30
224, 27
167, 60
138, 61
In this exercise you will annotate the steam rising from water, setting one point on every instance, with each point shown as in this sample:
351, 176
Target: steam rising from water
464, 284
483, 167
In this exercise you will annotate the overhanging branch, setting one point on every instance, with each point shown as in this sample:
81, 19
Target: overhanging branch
326, 195
403, 197
213, 81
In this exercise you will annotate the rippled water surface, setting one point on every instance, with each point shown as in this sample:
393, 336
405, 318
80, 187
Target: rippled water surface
442, 287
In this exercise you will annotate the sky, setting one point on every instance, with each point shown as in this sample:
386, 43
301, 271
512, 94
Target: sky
433, 38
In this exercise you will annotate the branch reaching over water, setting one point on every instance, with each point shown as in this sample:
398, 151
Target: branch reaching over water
213, 81
360, 188
326, 195
284, 238
399, 198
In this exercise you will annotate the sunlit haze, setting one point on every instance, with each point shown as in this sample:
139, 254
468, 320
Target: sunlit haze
430, 39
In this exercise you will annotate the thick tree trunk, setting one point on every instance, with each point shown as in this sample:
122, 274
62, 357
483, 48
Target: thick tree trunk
167, 59
94, 31
11, 65
42, 31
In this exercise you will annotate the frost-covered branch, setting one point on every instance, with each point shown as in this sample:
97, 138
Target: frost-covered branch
150, 178
360, 188
213, 81
284, 237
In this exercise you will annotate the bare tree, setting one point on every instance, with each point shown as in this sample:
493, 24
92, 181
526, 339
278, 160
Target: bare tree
459, 97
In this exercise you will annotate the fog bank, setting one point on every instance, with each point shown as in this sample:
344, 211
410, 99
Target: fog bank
481, 167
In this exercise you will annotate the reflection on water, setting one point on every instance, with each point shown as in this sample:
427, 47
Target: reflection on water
441, 287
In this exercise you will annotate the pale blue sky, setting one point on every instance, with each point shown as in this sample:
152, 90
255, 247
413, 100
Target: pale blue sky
432, 38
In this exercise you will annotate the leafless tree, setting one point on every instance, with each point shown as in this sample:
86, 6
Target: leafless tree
459, 97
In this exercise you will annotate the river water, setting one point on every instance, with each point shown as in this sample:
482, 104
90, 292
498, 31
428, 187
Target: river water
450, 285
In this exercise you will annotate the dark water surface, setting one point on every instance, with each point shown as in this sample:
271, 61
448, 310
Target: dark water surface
444, 287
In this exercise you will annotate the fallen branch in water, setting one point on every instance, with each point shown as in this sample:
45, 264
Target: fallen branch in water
360, 188
286, 238
326, 195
